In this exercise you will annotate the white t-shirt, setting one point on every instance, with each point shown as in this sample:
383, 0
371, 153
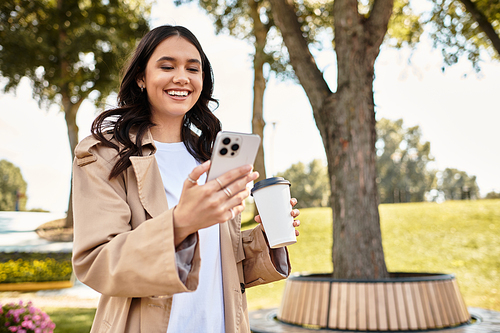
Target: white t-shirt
202, 310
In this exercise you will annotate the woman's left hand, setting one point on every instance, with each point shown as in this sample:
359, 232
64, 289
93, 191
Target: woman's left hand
294, 213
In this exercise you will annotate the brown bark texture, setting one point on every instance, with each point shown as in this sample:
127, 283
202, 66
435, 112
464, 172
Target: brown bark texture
70, 111
346, 121
259, 87
69, 108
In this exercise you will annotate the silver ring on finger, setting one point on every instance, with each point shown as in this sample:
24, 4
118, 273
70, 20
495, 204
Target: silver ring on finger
220, 183
228, 192
192, 180
232, 213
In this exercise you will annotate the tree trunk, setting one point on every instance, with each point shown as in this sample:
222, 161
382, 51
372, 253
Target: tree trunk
69, 108
346, 121
70, 111
259, 87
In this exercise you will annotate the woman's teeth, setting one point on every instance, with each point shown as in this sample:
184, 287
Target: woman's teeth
177, 93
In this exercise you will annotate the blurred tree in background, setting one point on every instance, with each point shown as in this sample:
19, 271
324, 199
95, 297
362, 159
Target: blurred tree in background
465, 28
402, 173
70, 50
457, 185
309, 183
12, 187
492, 195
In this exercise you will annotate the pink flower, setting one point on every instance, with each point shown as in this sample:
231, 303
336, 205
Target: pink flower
24, 317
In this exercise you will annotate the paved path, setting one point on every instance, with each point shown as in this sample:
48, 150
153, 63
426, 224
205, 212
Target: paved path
79, 296
17, 233
264, 321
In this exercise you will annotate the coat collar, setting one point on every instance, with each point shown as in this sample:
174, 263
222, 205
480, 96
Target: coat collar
149, 182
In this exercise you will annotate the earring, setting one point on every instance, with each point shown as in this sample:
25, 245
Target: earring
142, 88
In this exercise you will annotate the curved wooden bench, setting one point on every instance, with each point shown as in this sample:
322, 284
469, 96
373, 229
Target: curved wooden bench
406, 301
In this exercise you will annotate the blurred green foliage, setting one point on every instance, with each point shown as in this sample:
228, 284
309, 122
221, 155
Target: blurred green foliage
12, 187
402, 159
310, 183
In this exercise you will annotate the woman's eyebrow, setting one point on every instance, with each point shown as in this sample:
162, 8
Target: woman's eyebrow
167, 58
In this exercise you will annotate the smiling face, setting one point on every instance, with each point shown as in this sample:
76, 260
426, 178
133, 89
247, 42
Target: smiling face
173, 80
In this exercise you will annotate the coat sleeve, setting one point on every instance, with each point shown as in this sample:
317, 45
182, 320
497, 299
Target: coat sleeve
262, 264
112, 257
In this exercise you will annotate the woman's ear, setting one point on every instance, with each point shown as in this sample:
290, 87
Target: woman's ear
140, 82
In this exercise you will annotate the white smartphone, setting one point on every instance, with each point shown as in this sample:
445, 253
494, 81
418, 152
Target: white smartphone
232, 150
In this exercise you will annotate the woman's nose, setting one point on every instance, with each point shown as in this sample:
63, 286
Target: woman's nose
181, 77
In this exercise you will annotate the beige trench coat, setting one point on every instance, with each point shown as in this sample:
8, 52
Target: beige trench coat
124, 246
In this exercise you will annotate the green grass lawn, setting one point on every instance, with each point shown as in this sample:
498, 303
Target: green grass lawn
458, 237
71, 320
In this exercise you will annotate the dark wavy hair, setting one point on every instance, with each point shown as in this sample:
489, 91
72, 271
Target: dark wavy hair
133, 113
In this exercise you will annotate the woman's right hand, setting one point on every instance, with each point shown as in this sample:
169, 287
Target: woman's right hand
201, 206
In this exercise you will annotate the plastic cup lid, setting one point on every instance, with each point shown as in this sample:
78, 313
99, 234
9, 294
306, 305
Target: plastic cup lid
268, 182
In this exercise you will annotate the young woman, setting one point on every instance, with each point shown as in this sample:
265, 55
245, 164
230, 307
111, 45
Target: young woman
163, 247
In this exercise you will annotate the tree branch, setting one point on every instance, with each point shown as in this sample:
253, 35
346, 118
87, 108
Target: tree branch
304, 65
377, 23
483, 22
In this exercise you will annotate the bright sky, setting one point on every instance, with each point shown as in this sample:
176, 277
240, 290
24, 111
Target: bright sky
455, 110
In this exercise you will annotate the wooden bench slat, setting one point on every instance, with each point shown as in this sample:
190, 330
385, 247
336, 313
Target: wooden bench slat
452, 303
442, 301
392, 312
410, 306
333, 316
342, 320
314, 304
307, 298
361, 306
465, 313
434, 302
294, 308
371, 307
300, 303
382, 306
285, 301
426, 303
400, 306
419, 309
323, 312
352, 303
457, 302
305, 302
314, 319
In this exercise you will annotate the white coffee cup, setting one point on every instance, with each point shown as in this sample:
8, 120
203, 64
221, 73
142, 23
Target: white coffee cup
272, 198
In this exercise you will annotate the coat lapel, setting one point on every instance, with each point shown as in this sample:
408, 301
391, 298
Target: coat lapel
152, 196
147, 173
